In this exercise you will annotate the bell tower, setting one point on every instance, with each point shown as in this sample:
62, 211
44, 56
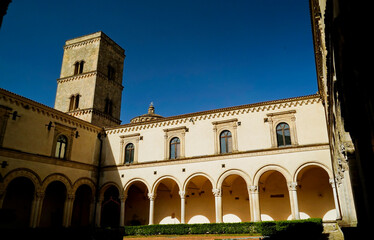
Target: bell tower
90, 83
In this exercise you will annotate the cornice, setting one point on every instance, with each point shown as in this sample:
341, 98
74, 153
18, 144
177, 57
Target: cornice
39, 108
216, 157
82, 43
87, 75
17, 154
217, 113
80, 112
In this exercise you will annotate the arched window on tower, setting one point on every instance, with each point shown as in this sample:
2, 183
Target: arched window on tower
111, 72
108, 109
129, 153
74, 102
225, 141
78, 67
61, 146
283, 134
175, 148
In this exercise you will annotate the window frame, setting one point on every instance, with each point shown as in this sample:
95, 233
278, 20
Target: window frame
176, 145
170, 133
274, 119
285, 143
230, 125
69, 133
125, 140
59, 146
132, 153
228, 142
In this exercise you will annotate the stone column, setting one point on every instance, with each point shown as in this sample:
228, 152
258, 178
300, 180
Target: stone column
254, 203
122, 212
98, 211
218, 204
36, 209
68, 210
332, 182
292, 190
182, 194
152, 197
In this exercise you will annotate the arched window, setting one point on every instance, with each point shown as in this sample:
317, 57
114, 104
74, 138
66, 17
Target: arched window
81, 64
71, 105
225, 141
74, 102
61, 146
175, 148
111, 72
129, 153
78, 67
283, 134
108, 108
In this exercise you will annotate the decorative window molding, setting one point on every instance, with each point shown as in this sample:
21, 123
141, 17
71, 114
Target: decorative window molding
220, 126
274, 119
69, 133
171, 133
125, 140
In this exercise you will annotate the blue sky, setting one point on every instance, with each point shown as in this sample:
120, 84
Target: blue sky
183, 55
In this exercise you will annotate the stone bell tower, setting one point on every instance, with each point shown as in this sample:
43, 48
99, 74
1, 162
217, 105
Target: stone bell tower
90, 83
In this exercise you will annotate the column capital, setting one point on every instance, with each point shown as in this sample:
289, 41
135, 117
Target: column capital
39, 194
182, 194
332, 182
292, 186
217, 192
123, 197
253, 189
152, 196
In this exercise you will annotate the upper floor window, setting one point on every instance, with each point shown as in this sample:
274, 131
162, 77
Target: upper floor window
175, 148
129, 153
78, 67
111, 72
283, 134
61, 146
74, 102
226, 141
108, 109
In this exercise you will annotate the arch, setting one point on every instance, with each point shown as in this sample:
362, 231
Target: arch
315, 193
159, 180
84, 181
107, 185
131, 181
167, 203
277, 168
229, 172
273, 192
234, 185
196, 175
312, 164
137, 202
21, 172
17, 202
57, 177
199, 198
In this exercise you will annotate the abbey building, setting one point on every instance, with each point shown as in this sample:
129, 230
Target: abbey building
76, 164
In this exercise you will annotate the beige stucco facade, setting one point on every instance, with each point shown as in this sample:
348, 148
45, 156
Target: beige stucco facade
100, 180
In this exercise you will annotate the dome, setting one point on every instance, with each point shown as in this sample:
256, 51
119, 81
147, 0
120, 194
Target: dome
151, 115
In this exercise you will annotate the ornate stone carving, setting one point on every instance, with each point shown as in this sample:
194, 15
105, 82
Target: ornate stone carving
217, 192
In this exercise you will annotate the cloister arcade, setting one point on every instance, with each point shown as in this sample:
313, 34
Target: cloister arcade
271, 194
